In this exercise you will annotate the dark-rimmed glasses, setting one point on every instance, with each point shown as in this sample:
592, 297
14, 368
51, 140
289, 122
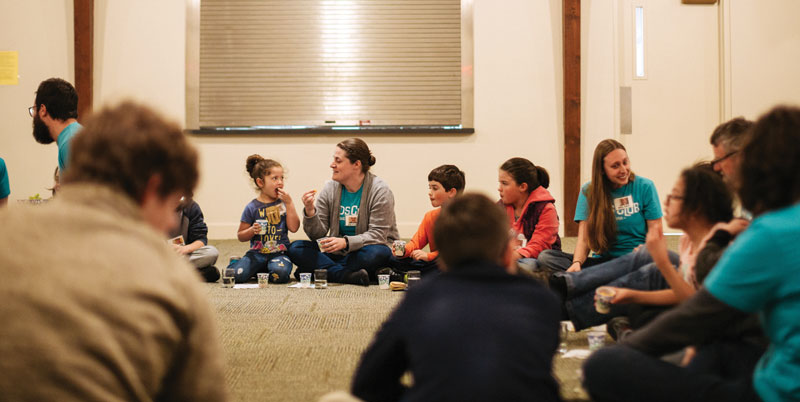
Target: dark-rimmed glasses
671, 197
720, 159
32, 110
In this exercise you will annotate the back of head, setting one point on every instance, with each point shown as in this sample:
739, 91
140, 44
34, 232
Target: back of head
705, 195
124, 146
471, 227
357, 150
449, 176
59, 97
768, 176
524, 171
731, 134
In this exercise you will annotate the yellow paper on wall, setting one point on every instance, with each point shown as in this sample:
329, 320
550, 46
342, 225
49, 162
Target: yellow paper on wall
9, 68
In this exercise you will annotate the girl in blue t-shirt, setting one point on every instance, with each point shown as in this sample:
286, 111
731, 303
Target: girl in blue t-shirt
614, 211
265, 222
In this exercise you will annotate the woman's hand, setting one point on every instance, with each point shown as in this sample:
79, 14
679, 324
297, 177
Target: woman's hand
419, 255
308, 202
622, 295
575, 267
332, 244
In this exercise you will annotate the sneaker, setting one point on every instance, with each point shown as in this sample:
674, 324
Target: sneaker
360, 277
619, 328
394, 276
209, 274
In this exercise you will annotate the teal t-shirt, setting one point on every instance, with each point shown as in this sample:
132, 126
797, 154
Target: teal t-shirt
63, 144
760, 272
5, 189
634, 204
348, 211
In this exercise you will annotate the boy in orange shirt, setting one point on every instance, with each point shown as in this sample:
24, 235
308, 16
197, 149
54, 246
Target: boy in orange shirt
444, 183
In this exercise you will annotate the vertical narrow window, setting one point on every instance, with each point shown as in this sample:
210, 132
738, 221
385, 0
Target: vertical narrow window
638, 16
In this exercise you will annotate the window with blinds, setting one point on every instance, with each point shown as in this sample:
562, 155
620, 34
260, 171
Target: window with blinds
328, 64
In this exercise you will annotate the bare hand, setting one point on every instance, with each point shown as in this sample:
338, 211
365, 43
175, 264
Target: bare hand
284, 196
621, 295
256, 228
575, 267
688, 355
516, 255
181, 250
308, 202
332, 244
419, 255
656, 244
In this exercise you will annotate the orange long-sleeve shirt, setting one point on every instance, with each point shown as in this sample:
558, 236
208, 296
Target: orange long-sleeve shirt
424, 235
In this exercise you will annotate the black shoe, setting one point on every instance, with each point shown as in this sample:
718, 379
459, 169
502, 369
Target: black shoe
360, 277
394, 276
209, 274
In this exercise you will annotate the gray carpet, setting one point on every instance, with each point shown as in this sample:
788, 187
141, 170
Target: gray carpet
285, 344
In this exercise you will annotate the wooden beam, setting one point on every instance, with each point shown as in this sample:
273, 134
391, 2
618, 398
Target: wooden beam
84, 54
572, 112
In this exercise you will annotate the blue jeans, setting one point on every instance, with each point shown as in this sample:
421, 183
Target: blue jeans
621, 373
581, 308
308, 257
589, 279
276, 264
559, 261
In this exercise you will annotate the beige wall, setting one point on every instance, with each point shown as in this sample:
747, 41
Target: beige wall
518, 100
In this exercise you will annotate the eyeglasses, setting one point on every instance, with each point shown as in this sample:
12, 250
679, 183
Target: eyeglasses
32, 110
718, 160
671, 197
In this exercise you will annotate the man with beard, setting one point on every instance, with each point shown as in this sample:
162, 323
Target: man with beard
55, 114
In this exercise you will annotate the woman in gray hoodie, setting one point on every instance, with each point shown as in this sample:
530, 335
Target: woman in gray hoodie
352, 220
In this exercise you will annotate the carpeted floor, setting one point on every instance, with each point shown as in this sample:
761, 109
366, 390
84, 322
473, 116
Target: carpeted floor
286, 344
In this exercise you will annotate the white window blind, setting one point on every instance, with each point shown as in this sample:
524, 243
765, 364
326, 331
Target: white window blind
312, 63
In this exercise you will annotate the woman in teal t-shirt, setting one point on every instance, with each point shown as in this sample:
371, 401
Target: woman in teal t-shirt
352, 220
614, 216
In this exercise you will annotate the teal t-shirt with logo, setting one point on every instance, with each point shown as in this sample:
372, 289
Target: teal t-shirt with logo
760, 273
348, 211
634, 204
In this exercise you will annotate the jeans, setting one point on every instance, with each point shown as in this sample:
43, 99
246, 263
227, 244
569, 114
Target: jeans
621, 373
277, 265
581, 308
587, 280
308, 257
560, 261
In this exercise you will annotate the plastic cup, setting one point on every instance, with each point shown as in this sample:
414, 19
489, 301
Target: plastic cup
399, 247
263, 224
413, 278
603, 296
320, 279
383, 281
596, 339
305, 280
319, 242
263, 279
228, 277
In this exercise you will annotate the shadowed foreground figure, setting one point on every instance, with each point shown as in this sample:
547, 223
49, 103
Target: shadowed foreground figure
476, 332
96, 306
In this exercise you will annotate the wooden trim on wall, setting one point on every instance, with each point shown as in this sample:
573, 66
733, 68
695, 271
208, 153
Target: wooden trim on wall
572, 112
84, 54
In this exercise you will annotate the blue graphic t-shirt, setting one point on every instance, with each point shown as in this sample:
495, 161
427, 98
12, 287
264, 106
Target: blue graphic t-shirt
348, 211
274, 236
634, 204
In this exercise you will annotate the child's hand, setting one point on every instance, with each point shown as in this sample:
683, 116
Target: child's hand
284, 196
419, 255
256, 228
656, 244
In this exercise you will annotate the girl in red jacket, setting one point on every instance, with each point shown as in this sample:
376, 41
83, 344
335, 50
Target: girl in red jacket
530, 208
